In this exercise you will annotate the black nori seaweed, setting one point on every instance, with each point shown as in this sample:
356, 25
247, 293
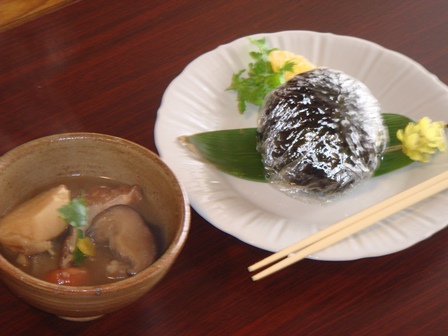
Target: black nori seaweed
320, 134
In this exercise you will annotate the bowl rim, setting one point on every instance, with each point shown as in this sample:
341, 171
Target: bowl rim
170, 253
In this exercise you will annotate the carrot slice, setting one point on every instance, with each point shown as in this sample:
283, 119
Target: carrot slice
71, 276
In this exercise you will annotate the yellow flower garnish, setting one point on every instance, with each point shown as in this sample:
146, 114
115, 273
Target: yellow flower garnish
279, 57
420, 140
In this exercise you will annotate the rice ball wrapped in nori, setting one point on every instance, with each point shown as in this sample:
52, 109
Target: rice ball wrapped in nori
320, 134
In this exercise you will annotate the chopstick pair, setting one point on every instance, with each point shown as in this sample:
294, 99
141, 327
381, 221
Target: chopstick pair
350, 225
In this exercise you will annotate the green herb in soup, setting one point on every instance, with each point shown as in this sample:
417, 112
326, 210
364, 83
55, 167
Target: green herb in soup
75, 214
83, 231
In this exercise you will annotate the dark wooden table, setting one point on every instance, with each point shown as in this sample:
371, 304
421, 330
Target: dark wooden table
103, 65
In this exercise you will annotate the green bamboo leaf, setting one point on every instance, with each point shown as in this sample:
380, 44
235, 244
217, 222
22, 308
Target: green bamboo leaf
234, 151
394, 122
393, 159
231, 151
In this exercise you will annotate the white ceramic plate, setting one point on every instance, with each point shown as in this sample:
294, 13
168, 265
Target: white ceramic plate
197, 101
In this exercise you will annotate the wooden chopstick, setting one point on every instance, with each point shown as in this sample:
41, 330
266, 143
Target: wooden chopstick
350, 225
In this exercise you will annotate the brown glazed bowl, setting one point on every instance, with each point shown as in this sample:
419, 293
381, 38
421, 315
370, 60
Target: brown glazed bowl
38, 162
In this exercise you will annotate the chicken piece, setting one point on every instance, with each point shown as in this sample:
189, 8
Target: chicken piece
124, 231
98, 199
30, 227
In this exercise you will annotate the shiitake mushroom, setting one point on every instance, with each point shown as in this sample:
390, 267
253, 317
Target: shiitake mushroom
125, 232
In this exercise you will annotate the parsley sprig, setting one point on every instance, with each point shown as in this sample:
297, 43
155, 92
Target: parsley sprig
75, 213
260, 79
